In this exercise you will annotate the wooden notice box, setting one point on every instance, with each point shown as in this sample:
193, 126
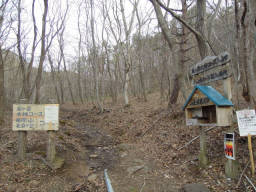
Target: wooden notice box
206, 106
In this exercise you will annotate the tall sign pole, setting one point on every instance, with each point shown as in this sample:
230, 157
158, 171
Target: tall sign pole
210, 69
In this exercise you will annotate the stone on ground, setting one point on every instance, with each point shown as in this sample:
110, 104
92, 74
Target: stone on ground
194, 187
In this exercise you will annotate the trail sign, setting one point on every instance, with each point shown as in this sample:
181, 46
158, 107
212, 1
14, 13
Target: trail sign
29, 117
246, 122
210, 62
229, 145
211, 68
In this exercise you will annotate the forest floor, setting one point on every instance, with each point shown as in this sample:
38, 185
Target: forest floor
137, 144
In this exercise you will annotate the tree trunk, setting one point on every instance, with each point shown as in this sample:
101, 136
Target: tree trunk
95, 62
68, 79
236, 68
2, 103
42, 54
183, 48
143, 89
244, 52
174, 91
126, 85
112, 89
54, 79
175, 82
79, 59
139, 50
200, 27
252, 52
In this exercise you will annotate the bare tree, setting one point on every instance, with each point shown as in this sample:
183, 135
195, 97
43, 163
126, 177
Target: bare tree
168, 37
199, 30
79, 56
42, 54
94, 59
140, 23
105, 45
251, 51
63, 59
126, 54
53, 75
47, 36
5, 26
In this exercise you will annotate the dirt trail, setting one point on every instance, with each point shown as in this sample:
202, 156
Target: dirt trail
128, 167
91, 142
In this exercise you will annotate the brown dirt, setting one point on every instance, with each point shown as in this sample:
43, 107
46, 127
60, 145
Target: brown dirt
137, 144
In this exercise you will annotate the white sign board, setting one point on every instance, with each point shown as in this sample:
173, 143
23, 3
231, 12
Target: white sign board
51, 114
246, 122
191, 122
29, 117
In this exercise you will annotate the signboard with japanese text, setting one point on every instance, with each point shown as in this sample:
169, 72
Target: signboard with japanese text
199, 99
219, 73
30, 117
210, 62
211, 68
229, 145
246, 122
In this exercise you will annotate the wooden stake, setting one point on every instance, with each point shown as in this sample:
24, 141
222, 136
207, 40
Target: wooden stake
203, 160
251, 154
22, 144
227, 88
51, 151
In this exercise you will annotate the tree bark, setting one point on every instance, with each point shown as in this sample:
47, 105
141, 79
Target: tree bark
236, 68
94, 61
53, 73
252, 52
200, 27
244, 52
42, 54
183, 47
126, 54
139, 51
79, 59
2, 91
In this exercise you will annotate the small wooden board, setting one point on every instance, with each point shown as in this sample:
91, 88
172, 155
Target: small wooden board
30, 117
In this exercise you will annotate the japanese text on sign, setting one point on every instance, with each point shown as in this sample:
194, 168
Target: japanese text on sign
210, 62
246, 122
28, 117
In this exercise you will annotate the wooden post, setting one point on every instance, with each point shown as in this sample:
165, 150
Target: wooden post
22, 139
231, 166
203, 160
51, 151
227, 88
22, 144
251, 154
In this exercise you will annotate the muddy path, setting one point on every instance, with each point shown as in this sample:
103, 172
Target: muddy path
129, 167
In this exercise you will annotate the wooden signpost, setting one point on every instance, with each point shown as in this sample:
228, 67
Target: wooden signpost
29, 117
210, 62
211, 107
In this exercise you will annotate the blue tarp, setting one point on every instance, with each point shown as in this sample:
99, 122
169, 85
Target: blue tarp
212, 94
